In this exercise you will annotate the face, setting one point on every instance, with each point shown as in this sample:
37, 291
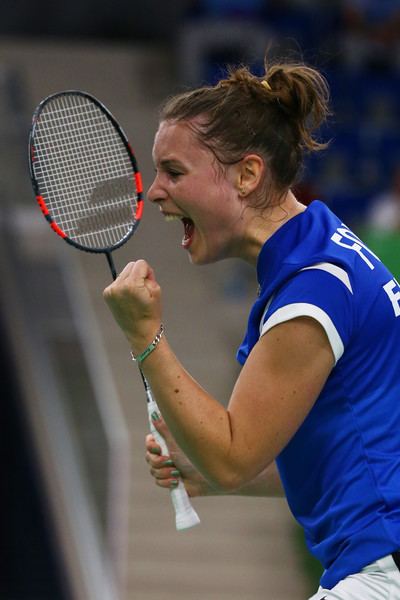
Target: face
191, 186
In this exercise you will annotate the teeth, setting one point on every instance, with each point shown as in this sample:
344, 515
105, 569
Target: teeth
172, 218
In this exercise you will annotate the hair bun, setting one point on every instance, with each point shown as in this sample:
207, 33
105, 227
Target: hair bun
303, 94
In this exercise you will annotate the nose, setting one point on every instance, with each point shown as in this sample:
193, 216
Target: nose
156, 193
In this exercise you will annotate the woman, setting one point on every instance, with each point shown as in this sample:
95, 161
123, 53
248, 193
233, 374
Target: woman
320, 385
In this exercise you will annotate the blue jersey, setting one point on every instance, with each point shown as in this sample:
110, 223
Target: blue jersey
341, 469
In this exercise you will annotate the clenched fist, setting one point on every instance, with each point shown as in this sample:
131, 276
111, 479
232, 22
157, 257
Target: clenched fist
134, 299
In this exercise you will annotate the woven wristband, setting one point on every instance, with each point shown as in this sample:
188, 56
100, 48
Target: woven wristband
152, 346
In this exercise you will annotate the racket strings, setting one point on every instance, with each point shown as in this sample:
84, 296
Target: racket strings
84, 172
79, 215
87, 184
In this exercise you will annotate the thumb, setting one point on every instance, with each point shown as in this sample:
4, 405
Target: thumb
162, 428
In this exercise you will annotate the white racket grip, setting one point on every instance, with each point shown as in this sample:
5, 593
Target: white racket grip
185, 515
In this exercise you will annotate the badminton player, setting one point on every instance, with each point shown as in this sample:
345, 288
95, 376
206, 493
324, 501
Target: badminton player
319, 390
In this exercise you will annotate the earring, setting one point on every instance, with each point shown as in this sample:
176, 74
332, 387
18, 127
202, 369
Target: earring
242, 191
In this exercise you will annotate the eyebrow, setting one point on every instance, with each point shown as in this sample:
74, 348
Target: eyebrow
170, 162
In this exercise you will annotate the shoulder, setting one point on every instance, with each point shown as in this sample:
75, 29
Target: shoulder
322, 292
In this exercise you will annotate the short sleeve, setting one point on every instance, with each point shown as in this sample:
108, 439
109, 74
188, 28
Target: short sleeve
323, 292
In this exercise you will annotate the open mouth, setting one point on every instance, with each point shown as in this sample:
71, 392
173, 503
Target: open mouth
189, 231
188, 228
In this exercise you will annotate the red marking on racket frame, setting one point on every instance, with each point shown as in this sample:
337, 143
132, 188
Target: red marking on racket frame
139, 184
42, 205
56, 228
139, 210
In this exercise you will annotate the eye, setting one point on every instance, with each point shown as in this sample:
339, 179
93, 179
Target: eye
174, 175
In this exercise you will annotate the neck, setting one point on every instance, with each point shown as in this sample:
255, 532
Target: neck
262, 224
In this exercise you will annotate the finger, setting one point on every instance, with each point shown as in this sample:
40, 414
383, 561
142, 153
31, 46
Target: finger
151, 444
149, 456
136, 271
141, 271
162, 428
149, 439
123, 275
166, 478
165, 473
157, 461
167, 484
143, 276
126, 271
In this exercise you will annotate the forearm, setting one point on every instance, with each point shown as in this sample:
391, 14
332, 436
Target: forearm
266, 484
198, 422
163, 468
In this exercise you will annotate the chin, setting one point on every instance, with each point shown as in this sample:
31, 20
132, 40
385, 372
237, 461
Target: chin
198, 259
203, 254
194, 260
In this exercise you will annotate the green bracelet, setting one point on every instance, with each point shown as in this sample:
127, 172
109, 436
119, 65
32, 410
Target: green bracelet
152, 346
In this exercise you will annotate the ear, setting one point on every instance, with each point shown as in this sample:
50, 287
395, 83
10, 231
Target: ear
250, 173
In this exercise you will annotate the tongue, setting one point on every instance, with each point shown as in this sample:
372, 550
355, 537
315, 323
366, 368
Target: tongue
189, 230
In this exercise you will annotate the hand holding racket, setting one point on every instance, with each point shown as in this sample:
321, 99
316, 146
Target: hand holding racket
88, 186
185, 515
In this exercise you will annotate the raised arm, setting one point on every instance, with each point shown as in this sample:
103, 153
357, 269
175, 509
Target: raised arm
276, 389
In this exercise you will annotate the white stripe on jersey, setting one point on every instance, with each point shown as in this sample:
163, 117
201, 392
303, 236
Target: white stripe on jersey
302, 309
333, 270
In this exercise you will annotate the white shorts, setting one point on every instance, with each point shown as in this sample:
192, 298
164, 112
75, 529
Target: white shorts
378, 581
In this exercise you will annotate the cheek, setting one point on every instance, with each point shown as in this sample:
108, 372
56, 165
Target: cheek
211, 204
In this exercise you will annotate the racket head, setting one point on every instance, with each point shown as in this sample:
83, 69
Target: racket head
84, 173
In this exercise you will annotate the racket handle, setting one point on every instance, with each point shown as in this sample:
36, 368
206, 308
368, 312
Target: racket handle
185, 515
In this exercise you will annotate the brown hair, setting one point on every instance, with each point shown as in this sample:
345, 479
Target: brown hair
274, 115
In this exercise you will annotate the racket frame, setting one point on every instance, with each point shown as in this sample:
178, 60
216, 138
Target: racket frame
41, 201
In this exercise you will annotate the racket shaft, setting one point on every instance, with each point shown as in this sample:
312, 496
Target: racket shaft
185, 515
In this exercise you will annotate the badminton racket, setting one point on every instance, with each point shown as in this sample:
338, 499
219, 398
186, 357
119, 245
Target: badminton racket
89, 189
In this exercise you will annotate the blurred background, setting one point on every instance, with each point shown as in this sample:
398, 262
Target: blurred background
81, 518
